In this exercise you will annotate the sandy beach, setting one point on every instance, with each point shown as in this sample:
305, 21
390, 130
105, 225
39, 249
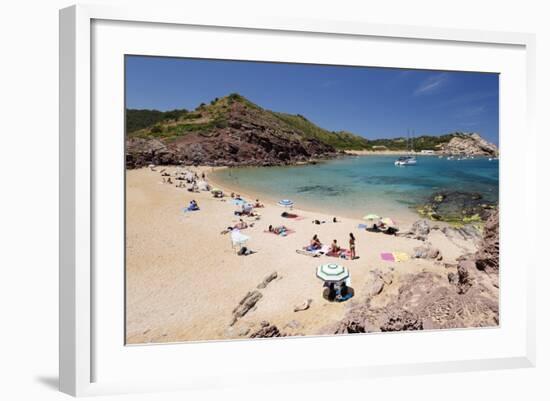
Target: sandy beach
184, 279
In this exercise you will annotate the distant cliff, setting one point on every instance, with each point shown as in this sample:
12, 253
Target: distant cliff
469, 144
454, 143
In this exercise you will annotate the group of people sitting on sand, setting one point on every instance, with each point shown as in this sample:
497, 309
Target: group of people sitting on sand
338, 292
193, 205
335, 250
380, 227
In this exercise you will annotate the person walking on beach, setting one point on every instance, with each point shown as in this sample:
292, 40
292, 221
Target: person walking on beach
352, 245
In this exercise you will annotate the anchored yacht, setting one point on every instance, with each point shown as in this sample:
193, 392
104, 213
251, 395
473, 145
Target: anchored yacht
409, 160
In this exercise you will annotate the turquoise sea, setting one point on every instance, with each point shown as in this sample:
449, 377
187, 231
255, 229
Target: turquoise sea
355, 186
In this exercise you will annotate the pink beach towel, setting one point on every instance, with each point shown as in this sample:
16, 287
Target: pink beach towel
387, 256
342, 251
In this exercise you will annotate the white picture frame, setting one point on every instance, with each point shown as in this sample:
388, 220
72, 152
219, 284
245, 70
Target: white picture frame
82, 345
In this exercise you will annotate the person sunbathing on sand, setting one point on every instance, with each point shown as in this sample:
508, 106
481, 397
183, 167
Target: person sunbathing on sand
315, 242
241, 225
334, 248
277, 230
258, 204
246, 209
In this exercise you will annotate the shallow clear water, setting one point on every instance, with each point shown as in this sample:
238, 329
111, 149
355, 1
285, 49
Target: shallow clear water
355, 186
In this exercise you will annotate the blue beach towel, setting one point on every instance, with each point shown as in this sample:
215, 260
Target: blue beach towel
362, 226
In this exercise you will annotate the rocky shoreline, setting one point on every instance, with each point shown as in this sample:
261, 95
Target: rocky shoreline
464, 295
456, 207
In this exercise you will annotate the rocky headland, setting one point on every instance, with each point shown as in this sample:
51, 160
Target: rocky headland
233, 131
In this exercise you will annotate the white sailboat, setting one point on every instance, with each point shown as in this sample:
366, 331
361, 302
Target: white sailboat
409, 160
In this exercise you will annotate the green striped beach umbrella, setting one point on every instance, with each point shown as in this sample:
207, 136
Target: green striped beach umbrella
332, 272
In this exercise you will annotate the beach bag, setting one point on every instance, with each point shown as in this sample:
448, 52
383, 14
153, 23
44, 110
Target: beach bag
243, 251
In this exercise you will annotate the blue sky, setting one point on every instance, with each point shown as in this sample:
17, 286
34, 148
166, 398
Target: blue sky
372, 102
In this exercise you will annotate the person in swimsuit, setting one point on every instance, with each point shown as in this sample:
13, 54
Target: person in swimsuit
277, 230
241, 225
352, 245
315, 242
334, 247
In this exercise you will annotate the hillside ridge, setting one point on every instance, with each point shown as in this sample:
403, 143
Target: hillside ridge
233, 131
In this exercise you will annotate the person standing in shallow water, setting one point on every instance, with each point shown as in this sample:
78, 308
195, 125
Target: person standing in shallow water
352, 245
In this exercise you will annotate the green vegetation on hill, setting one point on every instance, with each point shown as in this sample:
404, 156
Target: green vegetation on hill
137, 119
209, 119
339, 140
206, 119
427, 142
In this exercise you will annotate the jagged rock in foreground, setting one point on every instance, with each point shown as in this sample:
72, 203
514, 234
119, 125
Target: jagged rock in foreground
471, 144
267, 280
463, 296
427, 251
400, 320
487, 256
419, 230
425, 301
245, 305
267, 330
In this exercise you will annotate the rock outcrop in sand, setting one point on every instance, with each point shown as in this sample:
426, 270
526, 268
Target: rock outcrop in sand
267, 330
245, 305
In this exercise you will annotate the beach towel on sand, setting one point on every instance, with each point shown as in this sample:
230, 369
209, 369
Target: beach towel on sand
341, 253
394, 256
306, 250
400, 256
362, 226
282, 234
292, 216
186, 209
